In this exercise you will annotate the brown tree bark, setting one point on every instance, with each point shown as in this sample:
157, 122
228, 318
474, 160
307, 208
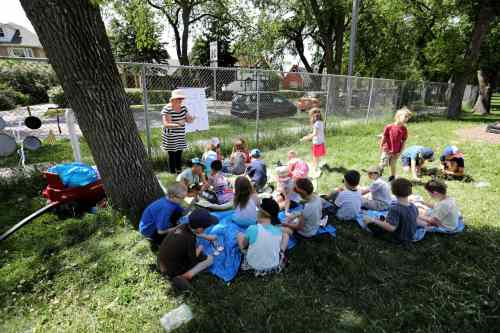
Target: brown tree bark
482, 105
339, 42
481, 27
74, 37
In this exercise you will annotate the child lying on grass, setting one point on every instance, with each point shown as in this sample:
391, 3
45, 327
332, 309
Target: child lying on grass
444, 213
401, 221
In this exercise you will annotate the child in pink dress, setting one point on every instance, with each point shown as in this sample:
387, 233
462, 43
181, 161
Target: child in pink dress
317, 137
219, 183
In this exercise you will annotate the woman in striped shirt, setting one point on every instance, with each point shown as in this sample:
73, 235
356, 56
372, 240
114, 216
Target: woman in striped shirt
175, 116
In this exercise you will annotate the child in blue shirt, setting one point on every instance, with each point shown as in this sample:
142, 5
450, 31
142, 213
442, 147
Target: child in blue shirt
163, 214
257, 171
264, 244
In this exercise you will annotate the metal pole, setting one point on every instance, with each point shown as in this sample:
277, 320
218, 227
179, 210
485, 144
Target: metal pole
145, 102
354, 29
258, 109
369, 99
327, 99
215, 90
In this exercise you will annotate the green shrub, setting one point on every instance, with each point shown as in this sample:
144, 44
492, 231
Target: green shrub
154, 96
56, 96
7, 97
291, 94
30, 79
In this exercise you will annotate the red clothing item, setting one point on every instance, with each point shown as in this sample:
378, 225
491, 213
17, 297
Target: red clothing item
394, 138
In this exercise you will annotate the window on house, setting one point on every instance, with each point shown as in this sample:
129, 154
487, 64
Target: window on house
21, 52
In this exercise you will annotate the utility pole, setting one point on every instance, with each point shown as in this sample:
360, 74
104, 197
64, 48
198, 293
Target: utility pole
354, 29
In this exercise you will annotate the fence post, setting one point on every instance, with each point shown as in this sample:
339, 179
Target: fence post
215, 90
369, 100
257, 115
327, 99
145, 102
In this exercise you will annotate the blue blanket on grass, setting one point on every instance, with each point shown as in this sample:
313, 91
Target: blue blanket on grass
419, 232
227, 262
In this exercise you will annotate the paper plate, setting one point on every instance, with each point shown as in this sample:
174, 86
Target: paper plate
8, 145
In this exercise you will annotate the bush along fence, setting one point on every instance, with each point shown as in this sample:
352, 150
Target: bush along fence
267, 108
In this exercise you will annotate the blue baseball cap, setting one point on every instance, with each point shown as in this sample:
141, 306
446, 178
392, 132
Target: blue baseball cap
196, 161
255, 153
427, 153
450, 150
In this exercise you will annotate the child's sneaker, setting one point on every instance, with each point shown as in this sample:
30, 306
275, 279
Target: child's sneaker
244, 264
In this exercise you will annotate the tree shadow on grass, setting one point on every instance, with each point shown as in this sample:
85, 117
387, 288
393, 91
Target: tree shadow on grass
358, 283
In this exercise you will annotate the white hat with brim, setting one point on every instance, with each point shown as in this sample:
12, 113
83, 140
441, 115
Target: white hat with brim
177, 94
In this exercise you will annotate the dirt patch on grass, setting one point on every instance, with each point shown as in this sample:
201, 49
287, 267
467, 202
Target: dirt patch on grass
478, 134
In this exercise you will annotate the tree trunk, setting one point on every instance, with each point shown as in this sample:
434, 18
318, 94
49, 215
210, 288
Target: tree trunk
482, 105
184, 59
339, 43
328, 56
74, 37
481, 26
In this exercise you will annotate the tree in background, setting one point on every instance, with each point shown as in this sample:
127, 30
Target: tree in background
135, 33
74, 37
483, 13
182, 15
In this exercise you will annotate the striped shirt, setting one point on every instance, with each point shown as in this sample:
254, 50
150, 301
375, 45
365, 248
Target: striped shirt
174, 139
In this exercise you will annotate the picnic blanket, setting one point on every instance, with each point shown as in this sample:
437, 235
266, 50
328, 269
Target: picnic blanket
419, 232
227, 262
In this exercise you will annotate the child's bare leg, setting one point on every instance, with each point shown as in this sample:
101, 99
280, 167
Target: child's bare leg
421, 222
315, 163
284, 241
393, 162
287, 230
241, 241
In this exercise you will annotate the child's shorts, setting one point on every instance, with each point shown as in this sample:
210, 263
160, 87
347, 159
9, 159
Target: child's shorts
319, 150
386, 158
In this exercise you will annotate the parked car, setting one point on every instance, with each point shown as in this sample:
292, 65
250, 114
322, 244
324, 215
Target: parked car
244, 105
308, 102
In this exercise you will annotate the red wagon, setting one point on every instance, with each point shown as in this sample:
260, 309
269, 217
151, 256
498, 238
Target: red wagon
63, 201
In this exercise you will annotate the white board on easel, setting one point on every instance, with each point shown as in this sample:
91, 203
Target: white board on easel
196, 103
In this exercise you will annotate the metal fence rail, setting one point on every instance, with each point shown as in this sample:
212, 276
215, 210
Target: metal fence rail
268, 108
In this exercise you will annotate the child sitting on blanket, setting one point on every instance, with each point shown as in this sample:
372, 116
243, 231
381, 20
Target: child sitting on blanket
219, 183
445, 212
264, 244
239, 158
208, 157
347, 201
193, 177
401, 221
245, 202
179, 258
286, 197
257, 171
216, 146
379, 190
306, 222
297, 168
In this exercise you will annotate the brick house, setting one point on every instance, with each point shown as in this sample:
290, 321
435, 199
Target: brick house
17, 41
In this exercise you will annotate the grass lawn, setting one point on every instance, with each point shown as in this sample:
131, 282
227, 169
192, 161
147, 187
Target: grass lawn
94, 274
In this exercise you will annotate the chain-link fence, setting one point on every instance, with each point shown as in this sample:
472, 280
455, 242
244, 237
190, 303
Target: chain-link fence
269, 109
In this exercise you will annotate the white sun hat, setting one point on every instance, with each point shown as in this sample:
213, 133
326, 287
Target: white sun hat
177, 94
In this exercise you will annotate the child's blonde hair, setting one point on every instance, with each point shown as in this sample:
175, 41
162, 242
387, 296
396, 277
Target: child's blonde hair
209, 147
315, 115
402, 115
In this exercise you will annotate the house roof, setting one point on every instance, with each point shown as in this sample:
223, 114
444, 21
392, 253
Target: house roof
17, 34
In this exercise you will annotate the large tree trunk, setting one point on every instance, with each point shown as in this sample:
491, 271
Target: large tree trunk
482, 105
481, 26
328, 56
74, 37
184, 59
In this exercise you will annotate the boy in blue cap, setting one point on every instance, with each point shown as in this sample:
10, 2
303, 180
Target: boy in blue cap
257, 170
193, 177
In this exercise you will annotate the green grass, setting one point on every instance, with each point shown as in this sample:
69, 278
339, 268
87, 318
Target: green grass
93, 274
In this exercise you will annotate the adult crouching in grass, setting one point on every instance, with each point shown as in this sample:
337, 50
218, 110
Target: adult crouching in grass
175, 115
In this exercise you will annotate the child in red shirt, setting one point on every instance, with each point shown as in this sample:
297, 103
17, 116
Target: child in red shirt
393, 141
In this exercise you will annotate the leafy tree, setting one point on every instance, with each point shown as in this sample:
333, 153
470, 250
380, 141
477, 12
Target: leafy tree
482, 13
74, 37
181, 16
135, 33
